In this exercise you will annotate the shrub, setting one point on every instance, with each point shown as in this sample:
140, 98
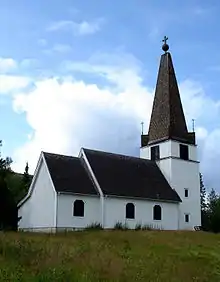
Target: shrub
138, 226
121, 226
94, 226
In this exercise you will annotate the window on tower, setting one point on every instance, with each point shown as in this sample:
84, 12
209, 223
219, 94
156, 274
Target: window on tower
187, 218
184, 152
155, 153
186, 193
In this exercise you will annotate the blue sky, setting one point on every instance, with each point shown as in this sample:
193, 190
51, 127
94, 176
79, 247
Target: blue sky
106, 55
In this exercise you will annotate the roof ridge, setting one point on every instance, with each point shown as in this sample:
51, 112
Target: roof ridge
119, 155
59, 155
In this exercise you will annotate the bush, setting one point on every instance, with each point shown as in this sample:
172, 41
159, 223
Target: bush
121, 226
94, 226
138, 226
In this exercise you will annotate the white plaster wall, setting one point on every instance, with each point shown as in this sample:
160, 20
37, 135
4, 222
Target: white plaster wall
169, 148
181, 174
165, 166
165, 150
24, 212
65, 218
115, 211
175, 150
39, 211
185, 174
145, 153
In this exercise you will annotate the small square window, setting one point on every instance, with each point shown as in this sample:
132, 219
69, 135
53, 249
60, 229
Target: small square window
155, 153
186, 217
184, 152
186, 193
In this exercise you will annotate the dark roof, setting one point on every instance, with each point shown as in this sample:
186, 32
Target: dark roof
121, 175
167, 118
69, 174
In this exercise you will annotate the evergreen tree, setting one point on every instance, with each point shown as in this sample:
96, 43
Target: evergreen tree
202, 193
204, 216
8, 208
26, 176
213, 211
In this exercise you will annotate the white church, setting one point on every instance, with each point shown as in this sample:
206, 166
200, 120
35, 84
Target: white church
160, 189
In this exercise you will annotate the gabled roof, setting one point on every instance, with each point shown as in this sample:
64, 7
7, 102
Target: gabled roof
167, 118
120, 175
69, 174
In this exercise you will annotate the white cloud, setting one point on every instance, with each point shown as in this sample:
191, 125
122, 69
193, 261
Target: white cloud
11, 83
58, 48
66, 114
7, 64
78, 28
62, 48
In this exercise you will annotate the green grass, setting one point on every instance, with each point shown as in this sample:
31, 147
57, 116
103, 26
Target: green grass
110, 256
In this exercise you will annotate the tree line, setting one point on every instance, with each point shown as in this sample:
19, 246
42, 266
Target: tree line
210, 208
13, 187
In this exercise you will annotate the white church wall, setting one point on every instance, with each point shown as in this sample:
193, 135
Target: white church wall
165, 167
115, 211
165, 150
24, 213
145, 153
175, 150
38, 212
169, 148
185, 175
65, 218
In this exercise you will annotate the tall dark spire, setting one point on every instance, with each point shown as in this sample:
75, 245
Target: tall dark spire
167, 117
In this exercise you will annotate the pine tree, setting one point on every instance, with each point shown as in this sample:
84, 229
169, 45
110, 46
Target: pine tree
214, 211
26, 176
204, 214
202, 193
8, 208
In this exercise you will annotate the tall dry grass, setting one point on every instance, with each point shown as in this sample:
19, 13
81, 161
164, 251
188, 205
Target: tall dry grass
110, 256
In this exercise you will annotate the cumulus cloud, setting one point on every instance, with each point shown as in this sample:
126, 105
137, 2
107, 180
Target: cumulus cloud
66, 114
10, 83
58, 48
78, 28
7, 64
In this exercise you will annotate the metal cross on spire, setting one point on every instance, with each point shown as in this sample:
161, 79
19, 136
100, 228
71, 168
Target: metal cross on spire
165, 39
165, 46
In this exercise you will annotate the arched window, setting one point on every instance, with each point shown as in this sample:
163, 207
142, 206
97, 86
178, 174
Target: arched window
78, 208
157, 212
130, 210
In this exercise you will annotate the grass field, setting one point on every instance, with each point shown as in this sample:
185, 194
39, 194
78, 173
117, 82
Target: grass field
110, 256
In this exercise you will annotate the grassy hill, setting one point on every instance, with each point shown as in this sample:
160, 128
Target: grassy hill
110, 256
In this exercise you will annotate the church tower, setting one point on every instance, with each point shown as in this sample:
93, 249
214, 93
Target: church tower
169, 143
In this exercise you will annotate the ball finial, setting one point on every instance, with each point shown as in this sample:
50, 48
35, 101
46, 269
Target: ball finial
165, 46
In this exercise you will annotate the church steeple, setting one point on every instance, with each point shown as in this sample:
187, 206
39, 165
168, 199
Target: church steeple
167, 117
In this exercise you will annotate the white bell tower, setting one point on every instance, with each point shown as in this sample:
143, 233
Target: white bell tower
169, 143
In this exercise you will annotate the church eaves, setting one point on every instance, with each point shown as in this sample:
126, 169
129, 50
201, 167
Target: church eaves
167, 117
